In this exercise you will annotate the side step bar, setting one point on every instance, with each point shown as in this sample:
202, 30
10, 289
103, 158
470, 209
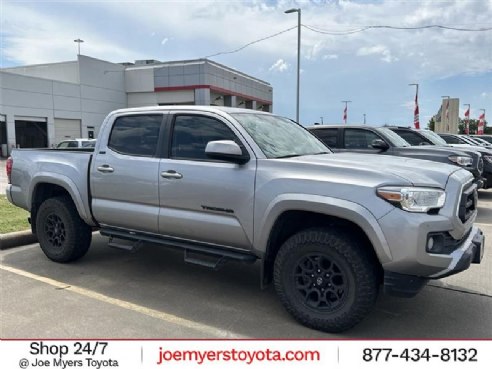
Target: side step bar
203, 254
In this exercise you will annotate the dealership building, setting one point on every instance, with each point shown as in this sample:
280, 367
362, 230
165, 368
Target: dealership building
41, 105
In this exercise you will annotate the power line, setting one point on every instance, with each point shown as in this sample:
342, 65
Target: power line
365, 28
349, 32
251, 43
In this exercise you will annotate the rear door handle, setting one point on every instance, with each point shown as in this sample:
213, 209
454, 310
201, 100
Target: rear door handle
171, 174
105, 169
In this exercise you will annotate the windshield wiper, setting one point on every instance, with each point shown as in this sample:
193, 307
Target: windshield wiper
288, 156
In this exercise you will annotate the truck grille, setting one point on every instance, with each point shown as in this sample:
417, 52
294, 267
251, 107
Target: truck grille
468, 203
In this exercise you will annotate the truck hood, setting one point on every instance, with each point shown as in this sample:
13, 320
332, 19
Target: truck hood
378, 169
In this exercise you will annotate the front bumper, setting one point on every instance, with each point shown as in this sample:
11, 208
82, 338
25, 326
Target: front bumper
470, 252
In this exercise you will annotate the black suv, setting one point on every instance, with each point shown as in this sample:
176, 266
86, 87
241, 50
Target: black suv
382, 140
419, 137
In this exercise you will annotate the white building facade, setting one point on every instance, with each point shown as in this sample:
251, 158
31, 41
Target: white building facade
41, 105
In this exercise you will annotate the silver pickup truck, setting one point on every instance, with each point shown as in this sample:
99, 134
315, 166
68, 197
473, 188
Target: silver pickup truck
232, 184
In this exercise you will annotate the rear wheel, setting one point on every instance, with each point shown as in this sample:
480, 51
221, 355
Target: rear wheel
62, 234
327, 279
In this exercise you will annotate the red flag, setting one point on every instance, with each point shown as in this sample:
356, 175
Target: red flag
447, 110
467, 121
481, 123
345, 114
416, 122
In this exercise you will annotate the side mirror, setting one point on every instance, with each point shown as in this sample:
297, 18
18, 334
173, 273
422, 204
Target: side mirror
226, 150
379, 144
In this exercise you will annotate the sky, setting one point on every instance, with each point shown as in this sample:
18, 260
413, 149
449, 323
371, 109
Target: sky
340, 59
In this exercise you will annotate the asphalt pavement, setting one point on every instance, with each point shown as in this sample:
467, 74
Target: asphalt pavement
152, 293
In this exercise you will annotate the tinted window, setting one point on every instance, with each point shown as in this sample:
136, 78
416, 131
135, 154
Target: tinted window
63, 145
136, 135
359, 138
452, 140
192, 133
73, 144
412, 138
327, 135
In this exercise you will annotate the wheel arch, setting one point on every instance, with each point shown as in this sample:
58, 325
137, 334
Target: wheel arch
292, 216
44, 188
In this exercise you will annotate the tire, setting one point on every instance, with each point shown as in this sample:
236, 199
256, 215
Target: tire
327, 279
62, 234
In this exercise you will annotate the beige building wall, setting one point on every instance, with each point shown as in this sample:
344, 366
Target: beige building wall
448, 124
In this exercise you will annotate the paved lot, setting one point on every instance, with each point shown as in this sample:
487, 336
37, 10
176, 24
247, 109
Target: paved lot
153, 294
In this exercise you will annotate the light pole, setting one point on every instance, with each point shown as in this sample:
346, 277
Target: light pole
321, 120
345, 111
78, 41
298, 11
364, 118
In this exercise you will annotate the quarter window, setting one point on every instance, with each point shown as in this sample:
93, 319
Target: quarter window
192, 133
135, 135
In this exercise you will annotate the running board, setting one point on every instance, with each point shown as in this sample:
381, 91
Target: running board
208, 255
205, 260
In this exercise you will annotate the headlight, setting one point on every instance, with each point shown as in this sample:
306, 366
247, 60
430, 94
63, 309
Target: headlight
413, 199
487, 158
461, 160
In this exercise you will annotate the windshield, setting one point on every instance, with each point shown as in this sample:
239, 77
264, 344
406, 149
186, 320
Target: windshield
434, 138
395, 139
280, 137
88, 143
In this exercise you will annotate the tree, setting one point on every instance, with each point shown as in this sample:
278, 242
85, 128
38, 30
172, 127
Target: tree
473, 127
431, 125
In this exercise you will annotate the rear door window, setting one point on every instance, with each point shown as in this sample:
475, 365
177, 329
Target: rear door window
135, 135
327, 135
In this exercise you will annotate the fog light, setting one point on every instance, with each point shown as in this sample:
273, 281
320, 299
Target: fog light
430, 244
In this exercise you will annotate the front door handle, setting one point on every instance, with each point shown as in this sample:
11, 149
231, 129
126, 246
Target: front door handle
171, 174
105, 169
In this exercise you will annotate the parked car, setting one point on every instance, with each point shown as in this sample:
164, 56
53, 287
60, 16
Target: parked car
481, 141
420, 137
487, 138
383, 141
77, 143
236, 184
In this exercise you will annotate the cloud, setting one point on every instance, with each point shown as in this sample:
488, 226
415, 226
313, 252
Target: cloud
377, 50
164, 41
279, 66
329, 57
484, 94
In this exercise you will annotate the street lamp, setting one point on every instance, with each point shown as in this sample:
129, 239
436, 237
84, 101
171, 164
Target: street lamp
78, 41
298, 11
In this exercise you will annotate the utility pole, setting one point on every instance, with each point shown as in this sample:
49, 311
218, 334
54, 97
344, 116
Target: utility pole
345, 111
321, 120
298, 11
364, 118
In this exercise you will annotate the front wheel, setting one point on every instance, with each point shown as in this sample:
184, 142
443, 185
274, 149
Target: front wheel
327, 279
62, 234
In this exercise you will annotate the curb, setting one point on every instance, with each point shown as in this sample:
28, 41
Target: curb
14, 239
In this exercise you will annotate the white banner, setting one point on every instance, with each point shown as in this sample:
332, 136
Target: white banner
240, 354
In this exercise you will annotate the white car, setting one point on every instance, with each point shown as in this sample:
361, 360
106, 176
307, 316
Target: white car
77, 143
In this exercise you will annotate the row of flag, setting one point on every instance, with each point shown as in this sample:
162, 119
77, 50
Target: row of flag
416, 121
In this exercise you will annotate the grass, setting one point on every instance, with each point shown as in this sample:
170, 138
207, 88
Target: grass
12, 218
